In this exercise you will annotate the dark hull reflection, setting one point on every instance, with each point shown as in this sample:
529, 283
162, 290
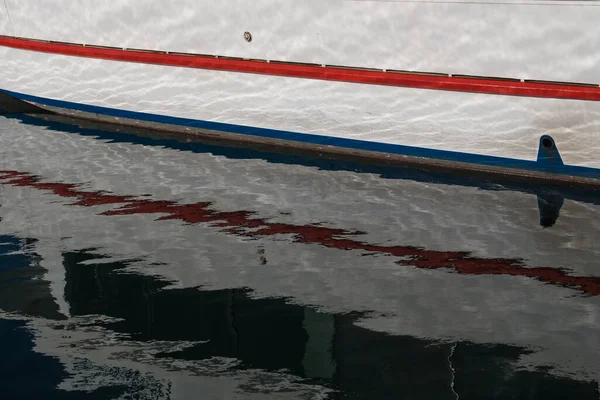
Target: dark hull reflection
274, 334
24, 372
27, 374
18, 264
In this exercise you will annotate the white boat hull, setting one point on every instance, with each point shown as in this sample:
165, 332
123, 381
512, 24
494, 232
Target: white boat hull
554, 40
550, 41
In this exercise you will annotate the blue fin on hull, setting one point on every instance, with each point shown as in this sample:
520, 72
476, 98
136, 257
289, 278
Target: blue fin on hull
548, 152
549, 204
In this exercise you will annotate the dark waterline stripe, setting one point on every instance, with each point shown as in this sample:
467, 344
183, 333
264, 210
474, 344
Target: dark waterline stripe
473, 84
322, 140
114, 133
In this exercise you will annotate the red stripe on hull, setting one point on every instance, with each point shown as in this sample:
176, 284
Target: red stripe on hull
329, 73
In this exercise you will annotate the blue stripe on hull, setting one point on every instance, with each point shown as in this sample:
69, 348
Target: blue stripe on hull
397, 149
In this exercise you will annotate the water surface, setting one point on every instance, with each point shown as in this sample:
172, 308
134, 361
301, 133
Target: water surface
138, 266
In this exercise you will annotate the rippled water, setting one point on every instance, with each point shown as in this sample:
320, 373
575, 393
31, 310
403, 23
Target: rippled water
140, 266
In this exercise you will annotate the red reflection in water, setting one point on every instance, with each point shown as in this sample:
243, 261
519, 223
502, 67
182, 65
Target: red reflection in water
243, 223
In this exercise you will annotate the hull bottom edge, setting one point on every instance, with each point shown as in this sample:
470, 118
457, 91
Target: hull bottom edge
308, 145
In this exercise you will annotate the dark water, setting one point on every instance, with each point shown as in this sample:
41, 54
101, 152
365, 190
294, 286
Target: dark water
136, 266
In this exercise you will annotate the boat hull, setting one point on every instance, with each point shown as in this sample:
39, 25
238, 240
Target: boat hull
550, 40
377, 119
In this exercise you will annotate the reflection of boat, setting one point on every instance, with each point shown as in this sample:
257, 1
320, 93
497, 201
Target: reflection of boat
323, 76
475, 267
229, 341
